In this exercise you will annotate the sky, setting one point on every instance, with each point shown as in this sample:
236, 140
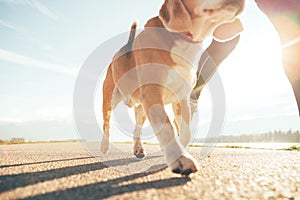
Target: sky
43, 45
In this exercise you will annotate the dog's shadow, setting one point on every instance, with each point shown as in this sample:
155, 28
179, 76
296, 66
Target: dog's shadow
98, 190
105, 189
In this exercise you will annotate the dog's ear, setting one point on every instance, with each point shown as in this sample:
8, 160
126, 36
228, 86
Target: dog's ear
174, 16
228, 31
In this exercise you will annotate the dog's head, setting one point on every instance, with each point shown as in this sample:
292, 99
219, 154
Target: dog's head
200, 18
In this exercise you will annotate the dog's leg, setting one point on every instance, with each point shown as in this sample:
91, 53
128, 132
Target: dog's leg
177, 114
179, 160
140, 118
110, 101
182, 114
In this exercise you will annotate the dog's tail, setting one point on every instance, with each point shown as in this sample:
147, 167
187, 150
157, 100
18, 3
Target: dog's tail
132, 35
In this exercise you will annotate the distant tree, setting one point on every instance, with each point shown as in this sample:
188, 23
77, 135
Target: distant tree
17, 140
276, 136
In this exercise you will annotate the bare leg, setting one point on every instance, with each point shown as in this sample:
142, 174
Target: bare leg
286, 19
213, 56
140, 118
292, 69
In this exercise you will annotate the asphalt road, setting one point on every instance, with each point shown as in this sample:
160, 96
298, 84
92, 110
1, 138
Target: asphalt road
69, 171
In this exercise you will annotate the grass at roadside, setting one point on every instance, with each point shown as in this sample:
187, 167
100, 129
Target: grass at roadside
295, 147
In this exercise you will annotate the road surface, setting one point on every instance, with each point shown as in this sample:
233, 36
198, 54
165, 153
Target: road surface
70, 171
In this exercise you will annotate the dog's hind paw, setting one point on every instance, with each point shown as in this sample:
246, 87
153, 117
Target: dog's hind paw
139, 152
104, 146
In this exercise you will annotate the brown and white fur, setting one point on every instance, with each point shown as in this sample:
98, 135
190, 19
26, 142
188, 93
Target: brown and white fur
155, 69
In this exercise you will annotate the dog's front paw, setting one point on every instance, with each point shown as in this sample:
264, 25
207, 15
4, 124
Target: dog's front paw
104, 145
185, 165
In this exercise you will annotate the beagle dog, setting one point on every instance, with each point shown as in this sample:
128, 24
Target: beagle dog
155, 68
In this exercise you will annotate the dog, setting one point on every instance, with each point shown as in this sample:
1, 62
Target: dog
155, 68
